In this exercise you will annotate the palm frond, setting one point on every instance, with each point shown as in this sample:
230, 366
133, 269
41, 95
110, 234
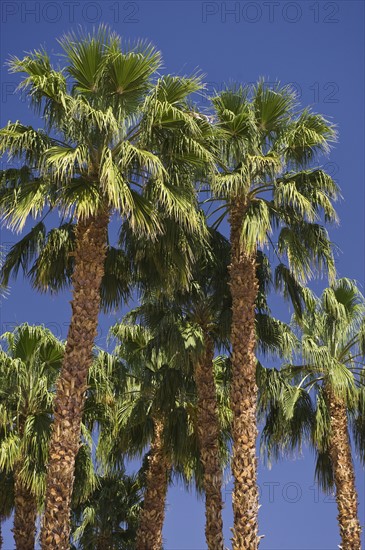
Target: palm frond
23, 253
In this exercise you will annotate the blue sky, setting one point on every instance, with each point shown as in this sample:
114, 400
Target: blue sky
316, 46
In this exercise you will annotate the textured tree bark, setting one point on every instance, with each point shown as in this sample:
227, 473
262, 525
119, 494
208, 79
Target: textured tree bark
244, 288
91, 242
344, 475
208, 435
149, 533
25, 515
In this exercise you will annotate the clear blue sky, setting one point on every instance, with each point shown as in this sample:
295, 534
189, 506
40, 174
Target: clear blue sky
318, 46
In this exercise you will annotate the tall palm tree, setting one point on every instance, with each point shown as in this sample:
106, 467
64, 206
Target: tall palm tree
29, 369
101, 113
265, 180
191, 321
160, 408
150, 411
208, 307
332, 366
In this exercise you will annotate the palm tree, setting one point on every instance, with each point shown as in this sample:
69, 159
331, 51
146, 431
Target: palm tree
208, 307
108, 519
332, 365
265, 180
154, 390
29, 369
191, 321
102, 113
159, 408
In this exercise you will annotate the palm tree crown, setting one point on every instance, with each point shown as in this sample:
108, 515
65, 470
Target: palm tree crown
267, 147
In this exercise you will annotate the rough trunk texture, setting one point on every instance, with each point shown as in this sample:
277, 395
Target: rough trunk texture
149, 534
25, 515
344, 475
208, 434
244, 287
91, 240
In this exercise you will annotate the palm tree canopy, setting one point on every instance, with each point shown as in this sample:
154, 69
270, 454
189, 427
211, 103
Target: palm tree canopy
29, 367
109, 517
117, 137
267, 150
330, 354
149, 380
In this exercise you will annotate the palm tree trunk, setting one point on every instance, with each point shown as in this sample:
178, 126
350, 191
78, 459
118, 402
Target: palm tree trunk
91, 241
344, 475
25, 514
208, 435
149, 533
244, 287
